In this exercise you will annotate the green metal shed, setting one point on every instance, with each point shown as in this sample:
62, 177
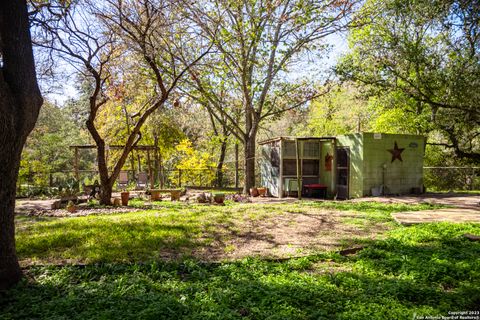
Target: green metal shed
347, 166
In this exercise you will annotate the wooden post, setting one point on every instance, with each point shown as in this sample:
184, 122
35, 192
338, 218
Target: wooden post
139, 162
280, 182
156, 161
150, 175
334, 167
77, 174
161, 173
299, 174
472, 179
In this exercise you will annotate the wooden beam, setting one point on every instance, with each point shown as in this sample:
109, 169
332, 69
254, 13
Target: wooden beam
76, 166
160, 169
115, 146
150, 175
299, 174
280, 182
334, 167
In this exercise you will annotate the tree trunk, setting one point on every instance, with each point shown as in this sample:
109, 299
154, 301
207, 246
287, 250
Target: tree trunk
127, 122
10, 271
249, 164
221, 159
106, 185
20, 102
106, 194
236, 165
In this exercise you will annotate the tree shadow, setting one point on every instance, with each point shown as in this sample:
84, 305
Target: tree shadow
393, 278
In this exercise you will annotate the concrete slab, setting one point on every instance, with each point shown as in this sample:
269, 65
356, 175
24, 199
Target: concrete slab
458, 200
455, 215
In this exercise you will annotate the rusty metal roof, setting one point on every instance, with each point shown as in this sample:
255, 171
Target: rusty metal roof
290, 138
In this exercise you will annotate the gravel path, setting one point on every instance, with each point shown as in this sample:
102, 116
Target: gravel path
81, 212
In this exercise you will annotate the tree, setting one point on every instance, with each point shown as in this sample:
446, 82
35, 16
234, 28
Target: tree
424, 57
221, 135
46, 149
20, 102
67, 31
91, 36
219, 98
256, 44
342, 110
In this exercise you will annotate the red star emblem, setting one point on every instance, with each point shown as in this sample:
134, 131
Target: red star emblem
396, 152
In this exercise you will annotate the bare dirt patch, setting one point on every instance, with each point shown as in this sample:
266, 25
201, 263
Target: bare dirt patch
286, 235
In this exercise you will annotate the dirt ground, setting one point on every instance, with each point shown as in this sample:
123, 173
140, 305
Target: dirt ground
297, 233
288, 234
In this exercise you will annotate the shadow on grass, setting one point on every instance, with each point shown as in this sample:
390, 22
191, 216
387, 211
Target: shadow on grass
194, 230
136, 237
107, 239
425, 270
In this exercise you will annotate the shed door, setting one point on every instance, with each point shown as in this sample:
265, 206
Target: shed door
343, 172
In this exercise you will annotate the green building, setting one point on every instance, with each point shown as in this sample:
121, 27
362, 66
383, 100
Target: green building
348, 166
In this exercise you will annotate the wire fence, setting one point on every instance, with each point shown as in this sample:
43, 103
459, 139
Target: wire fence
34, 184
205, 178
451, 178
37, 184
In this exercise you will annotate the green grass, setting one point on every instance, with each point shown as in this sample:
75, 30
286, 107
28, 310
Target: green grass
168, 227
425, 269
134, 236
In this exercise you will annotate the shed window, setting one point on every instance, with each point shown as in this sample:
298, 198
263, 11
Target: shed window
310, 167
289, 149
311, 149
289, 167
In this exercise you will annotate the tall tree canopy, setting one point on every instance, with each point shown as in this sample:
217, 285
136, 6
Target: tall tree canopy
425, 55
104, 42
256, 44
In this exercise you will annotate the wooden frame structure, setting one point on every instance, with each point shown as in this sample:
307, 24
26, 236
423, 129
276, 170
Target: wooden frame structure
146, 148
293, 153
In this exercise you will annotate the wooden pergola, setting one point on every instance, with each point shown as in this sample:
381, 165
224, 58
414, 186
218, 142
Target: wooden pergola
146, 148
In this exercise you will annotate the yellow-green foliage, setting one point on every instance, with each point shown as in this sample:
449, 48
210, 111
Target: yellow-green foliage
196, 166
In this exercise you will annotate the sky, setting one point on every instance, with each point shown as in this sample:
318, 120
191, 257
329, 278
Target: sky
337, 42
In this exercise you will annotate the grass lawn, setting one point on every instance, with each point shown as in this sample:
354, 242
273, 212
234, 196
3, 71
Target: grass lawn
159, 264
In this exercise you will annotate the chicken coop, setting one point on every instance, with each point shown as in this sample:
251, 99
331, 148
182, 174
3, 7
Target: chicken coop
343, 167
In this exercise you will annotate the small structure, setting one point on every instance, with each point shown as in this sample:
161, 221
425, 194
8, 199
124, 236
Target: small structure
123, 176
347, 166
